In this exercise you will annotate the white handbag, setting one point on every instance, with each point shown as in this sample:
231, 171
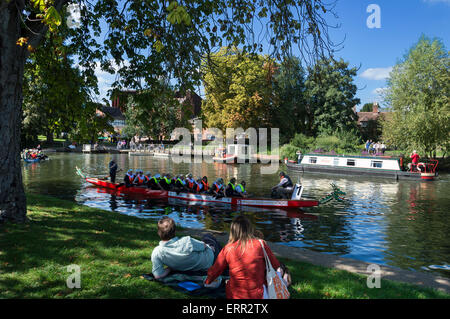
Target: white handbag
276, 287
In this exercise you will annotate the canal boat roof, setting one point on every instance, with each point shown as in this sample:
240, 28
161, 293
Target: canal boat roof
355, 156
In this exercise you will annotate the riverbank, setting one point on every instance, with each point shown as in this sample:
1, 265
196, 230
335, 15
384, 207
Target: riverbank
113, 252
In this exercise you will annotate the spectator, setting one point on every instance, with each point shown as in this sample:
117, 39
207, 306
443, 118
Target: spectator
245, 258
181, 254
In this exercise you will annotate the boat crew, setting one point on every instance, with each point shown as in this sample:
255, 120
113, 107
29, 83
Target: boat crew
230, 189
205, 184
147, 177
180, 184
190, 182
217, 188
284, 188
153, 182
140, 178
129, 178
240, 189
198, 186
166, 182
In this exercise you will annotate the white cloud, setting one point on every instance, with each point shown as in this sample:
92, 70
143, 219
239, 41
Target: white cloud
376, 73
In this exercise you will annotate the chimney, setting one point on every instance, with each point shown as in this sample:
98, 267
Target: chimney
375, 107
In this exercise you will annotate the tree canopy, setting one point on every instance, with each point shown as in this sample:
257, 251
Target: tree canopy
418, 95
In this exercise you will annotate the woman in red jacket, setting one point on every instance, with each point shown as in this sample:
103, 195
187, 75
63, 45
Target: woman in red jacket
245, 258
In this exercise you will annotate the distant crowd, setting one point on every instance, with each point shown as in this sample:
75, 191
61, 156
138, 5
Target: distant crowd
375, 147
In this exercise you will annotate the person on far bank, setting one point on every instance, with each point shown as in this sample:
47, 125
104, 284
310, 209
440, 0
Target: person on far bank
181, 254
244, 257
284, 188
113, 170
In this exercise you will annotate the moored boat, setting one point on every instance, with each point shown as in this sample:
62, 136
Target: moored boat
379, 166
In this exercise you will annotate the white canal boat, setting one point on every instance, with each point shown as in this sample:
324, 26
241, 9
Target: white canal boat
381, 166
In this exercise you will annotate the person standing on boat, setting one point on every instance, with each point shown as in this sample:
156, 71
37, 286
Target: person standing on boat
284, 188
414, 161
299, 157
112, 171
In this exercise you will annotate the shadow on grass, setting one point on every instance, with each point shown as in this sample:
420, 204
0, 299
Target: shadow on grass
112, 250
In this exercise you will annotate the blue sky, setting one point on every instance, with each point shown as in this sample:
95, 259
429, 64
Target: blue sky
374, 50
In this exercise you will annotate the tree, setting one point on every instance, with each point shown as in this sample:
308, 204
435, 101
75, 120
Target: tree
242, 95
145, 40
418, 94
290, 115
330, 93
368, 107
56, 94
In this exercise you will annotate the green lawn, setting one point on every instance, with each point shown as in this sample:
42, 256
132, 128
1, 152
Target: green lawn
113, 251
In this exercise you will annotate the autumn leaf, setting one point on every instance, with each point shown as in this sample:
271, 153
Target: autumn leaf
21, 41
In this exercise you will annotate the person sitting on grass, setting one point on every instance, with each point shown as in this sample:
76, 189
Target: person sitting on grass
181, 254
245, 258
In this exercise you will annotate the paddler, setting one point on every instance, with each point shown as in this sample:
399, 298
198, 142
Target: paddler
139, 179
230, 189
284, 188
217, 188
190, 182
240, 189
166, 182
129, 178
180, 184
153, 183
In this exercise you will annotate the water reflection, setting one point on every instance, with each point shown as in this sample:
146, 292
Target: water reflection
404, 224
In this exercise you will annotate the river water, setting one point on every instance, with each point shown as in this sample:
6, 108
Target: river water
405, 224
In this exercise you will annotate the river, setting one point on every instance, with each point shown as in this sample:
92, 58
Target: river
405, 224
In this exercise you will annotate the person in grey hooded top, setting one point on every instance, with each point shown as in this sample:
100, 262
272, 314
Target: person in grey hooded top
181, 254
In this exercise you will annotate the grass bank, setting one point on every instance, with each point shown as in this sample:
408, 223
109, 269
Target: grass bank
113, 251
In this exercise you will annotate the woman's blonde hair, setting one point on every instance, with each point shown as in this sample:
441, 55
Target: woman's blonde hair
241, 230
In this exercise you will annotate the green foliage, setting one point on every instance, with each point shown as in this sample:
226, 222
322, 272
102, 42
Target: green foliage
340, 142
418, 96
368, 107
290, 112
241, 96
155, 113
330, 93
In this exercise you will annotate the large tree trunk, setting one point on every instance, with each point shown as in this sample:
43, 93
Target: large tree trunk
12, 61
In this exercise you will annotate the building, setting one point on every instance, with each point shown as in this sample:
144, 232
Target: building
118, 119
368, 122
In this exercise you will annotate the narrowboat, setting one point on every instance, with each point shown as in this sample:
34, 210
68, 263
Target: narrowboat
378, 166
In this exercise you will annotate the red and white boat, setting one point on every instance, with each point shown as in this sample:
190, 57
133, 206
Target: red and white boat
205, 198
